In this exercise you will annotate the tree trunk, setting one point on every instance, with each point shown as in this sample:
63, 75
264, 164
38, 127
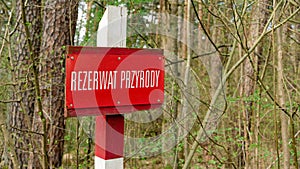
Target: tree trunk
59, 25
186, 78
281, 98
170, 46
250, 66
21, 118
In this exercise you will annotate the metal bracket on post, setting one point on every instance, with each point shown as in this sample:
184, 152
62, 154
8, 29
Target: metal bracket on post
111, 33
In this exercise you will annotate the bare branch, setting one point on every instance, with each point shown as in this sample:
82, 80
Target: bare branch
9, 101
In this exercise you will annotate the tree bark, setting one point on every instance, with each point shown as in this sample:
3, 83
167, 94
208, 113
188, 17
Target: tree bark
59, 29
250, 66
186, 77
281, 98
169, 44
21, 118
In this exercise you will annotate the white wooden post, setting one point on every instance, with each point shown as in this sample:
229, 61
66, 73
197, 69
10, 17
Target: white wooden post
112, 27
111, 33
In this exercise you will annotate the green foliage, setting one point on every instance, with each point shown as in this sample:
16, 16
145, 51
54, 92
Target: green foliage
168, 167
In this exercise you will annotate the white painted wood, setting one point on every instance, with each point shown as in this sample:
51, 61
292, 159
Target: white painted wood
112, 33
112, 27
116, 163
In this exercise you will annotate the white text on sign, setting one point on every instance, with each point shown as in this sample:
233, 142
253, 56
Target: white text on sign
102, 80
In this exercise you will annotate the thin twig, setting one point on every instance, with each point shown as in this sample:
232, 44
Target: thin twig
298, 132
27, 131
5, 5
204, 29
102, 6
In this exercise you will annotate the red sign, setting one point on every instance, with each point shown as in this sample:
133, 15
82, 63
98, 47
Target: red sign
102, 80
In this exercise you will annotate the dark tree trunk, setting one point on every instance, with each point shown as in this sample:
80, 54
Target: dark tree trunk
59, 25
21, 118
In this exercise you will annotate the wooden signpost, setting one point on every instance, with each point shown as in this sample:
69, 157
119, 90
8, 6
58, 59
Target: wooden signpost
109, 81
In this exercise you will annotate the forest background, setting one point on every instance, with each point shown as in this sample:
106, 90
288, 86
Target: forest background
232, 85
